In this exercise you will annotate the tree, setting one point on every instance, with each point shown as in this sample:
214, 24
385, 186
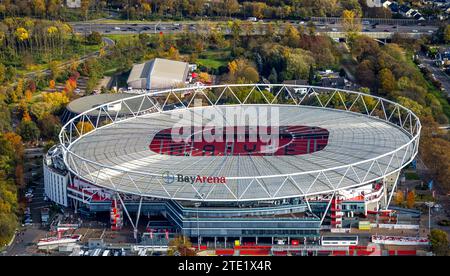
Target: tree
399, 197
311, 75
56, 100
55, 69
85, 7
387, 81
173, 53
447, 34
84, 127
410, 199
51, 84
366, 76
182, 245
94, 38
2, 73
273, 77
298, 62
39, 7
28, 130
49, 126
204, 77
350, 22
242, 71
19, 176
292, 36
439, 242
16, 143
231, 7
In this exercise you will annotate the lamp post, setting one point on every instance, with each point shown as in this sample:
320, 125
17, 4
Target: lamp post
429, 204
197, 204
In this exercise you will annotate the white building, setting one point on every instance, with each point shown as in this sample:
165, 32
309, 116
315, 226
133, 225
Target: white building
158, 73
56, 177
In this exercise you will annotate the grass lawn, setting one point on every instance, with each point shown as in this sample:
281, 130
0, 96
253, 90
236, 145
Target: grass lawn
211, 63
118, 37
214, 58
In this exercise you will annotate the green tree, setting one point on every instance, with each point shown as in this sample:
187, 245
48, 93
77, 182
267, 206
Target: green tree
50, 126
387, 81
447, 34
94, 38
298, 62
273, 77
55, 69
230, 7
439, 242
351, 23
28, 130
311, 75
291, 36
2, 73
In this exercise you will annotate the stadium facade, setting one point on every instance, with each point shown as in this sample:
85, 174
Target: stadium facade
337, 157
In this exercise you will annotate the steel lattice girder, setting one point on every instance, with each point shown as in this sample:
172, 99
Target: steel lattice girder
244, 188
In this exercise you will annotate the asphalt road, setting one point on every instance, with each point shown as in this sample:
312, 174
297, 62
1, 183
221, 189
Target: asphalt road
438, 73
169, 27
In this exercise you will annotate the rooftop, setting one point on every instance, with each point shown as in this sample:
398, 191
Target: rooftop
158, 73
122, 155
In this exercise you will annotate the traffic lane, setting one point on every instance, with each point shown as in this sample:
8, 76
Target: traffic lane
123, 28
438, 73
24, 239
173, 25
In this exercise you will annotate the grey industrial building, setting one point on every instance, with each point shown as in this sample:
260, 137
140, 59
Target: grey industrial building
157, 74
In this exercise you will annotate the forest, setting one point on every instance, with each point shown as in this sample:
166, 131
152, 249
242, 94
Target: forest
29, 112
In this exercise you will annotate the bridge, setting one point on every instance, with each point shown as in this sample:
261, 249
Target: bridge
374, 35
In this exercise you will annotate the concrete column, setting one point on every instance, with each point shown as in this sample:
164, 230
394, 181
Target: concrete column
225, 242
215, 242
289, 240
256, 240
272, 240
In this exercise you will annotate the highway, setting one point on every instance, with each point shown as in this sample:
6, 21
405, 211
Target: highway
201, 26
440, 75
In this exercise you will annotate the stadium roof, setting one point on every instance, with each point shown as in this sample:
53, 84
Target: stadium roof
83, 104
158, 73
124, 162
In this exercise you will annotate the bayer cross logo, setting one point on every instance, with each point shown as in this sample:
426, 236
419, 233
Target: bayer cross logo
167, 177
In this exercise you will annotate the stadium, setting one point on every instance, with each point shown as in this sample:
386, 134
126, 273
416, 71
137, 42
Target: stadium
250, 162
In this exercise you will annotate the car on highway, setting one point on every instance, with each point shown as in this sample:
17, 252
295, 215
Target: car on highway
430, 31
334, 29
415, 31
117, 28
